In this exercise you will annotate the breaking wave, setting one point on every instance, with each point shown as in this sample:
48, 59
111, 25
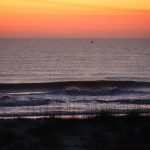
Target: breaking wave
73, 97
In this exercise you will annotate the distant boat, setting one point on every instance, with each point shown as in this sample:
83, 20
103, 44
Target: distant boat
92, 42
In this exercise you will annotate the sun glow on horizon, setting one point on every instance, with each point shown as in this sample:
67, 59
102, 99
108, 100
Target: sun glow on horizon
75, 18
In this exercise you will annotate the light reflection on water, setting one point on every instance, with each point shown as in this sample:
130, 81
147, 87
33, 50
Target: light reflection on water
78, 109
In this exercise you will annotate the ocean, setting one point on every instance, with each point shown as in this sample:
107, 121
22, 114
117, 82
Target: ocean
74, 76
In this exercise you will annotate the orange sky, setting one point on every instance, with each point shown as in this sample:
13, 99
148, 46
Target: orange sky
74, 18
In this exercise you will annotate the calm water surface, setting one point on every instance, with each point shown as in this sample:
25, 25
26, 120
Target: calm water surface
47, 60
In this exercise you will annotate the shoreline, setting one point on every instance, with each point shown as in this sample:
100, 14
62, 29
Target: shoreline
76, 116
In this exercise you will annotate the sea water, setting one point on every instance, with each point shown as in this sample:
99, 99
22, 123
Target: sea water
66, 60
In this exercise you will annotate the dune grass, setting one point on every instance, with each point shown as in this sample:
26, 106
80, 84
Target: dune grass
103, 132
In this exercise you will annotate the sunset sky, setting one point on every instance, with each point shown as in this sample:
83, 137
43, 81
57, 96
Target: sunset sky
74, 18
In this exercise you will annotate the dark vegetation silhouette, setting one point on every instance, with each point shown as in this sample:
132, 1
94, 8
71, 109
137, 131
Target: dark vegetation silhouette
104, 131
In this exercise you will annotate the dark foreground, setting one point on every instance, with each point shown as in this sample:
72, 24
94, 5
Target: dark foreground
100, 133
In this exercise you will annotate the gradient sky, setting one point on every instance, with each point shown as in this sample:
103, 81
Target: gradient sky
74, 18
